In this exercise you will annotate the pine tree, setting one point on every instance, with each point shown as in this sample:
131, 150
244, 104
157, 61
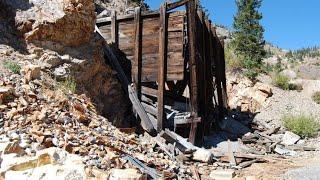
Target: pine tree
248, 39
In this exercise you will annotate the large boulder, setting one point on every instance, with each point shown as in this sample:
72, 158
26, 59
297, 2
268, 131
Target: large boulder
69, 22
245, 95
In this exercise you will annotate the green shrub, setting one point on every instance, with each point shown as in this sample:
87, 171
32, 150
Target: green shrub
12, 66
68, 85
297, 87
281, 81
304, 126
316, 97
251, 74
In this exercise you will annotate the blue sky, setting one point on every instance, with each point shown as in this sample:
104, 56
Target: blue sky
289, 24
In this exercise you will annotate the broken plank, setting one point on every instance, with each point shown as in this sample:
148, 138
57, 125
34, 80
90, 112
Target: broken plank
114, 29
232, 160
177, 4
246, 164
142, 167
195, 173
150, 109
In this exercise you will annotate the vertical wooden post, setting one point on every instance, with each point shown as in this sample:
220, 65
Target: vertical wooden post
138, 51
114, 29
209, 64
223, 75
193, 54
217, 60
162, 64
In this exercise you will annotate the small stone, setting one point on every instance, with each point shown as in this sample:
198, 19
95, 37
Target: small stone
12, 147
24, 145
31, 72
55, 141
202, 155
126, 174
227, 174
290, 138
14, 136
250, 178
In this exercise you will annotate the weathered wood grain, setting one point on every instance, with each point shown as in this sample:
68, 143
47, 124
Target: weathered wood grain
150, 45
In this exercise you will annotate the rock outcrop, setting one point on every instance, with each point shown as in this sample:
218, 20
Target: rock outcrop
245, 95
69, 22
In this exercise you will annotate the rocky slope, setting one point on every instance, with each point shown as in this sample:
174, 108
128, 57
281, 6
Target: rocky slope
58, 36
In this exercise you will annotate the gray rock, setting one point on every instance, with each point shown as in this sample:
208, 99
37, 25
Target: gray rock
227, 174
283, 151
304, 173
290, 138
232, 126
202, 155
289, 73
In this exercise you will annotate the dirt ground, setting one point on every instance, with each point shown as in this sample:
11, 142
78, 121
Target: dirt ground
278, 168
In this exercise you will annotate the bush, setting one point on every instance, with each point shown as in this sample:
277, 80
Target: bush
316, 97
281, 81
304, 126
297, 87
251, 74
12, 66
68, 85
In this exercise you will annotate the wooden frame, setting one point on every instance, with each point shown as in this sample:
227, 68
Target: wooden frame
195, 53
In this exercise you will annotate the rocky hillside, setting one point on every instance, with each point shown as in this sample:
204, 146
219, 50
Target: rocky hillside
58, 36
63, 113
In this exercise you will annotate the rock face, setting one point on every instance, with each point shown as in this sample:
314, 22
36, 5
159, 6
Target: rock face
245, 95
69, 22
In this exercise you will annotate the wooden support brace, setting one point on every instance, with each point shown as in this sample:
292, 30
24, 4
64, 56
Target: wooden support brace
192, 13
177, 4
162, 64
114, 29
191, 10
138, 51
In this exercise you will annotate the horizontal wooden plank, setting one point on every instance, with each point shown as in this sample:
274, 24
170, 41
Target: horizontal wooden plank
150, 45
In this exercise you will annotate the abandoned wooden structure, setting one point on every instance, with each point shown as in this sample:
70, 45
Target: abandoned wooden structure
173, 65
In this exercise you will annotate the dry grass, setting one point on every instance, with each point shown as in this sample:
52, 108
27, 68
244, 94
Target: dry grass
303, 125
281, 81
68, 85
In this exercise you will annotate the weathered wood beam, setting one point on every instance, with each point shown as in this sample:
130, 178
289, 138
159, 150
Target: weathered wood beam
129, 17
149, 91
177, 4
121, 18
114, 29
150, 109
192, 13
138, 51
163, 36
